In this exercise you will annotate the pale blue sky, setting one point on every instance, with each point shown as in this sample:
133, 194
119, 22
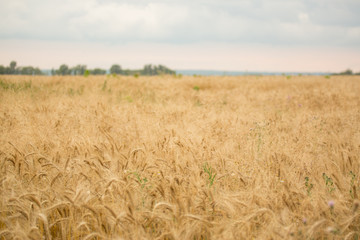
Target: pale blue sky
253, 35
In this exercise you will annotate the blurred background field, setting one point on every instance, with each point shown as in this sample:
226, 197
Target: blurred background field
179, 157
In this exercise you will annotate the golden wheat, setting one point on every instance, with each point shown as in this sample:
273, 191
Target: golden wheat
115, 157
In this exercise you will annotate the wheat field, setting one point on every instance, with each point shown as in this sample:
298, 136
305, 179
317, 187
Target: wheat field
169, 157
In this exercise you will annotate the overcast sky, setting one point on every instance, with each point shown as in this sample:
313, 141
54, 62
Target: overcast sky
252, 35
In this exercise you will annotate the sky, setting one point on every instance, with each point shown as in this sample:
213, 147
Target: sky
225, 35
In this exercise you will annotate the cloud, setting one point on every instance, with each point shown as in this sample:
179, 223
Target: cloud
303, 17
127, 22
276, 22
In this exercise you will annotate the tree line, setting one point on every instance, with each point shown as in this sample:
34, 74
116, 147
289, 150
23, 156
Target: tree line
347, 72
13, 69
82, 70
148, 70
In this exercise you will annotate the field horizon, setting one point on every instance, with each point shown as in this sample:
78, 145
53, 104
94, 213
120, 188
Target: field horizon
179, 157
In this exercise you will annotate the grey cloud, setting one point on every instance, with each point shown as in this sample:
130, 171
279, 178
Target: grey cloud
290, 22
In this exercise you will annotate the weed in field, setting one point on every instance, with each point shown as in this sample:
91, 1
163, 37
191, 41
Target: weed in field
70, 92
352, 185
86, 73
309, 186
196, 88
80, 91
141, 181
198, 103
103, 88
331, 205
210, 172
129, 99
329, 183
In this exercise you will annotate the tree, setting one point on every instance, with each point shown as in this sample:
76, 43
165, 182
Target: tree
63, 70
2, 69
78, 70
347, 72
126, 72
148, 70
116, 69
98, 71
29, 70
7, 70
164, 70
12, 67
26, 70
37, 71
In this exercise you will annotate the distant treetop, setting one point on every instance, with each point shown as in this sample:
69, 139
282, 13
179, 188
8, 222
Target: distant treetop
347, 72
12, 69
148, 70
81, 70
